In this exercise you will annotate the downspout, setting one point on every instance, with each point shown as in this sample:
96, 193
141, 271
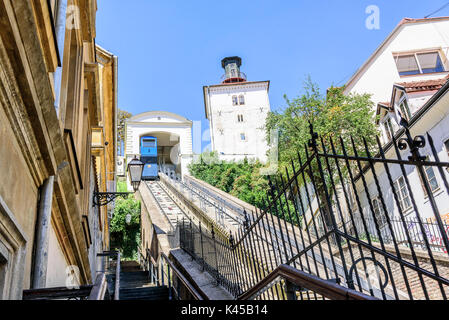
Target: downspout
61, 18
42, 230
116, 115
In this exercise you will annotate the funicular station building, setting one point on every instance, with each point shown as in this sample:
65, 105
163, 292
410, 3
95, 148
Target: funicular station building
172, 134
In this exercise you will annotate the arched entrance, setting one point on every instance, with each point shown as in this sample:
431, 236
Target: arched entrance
173, 133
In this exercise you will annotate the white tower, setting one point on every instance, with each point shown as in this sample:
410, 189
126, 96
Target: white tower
237, 111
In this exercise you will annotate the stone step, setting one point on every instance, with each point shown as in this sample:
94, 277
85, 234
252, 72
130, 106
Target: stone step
150, 293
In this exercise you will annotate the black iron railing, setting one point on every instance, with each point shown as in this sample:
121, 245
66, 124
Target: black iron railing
331, 215
164, 273
106, 284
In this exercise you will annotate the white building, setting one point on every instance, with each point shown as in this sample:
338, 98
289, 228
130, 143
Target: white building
407, 68
410, 71
237, 110
173, 133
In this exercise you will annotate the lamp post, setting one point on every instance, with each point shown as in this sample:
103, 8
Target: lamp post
135, 169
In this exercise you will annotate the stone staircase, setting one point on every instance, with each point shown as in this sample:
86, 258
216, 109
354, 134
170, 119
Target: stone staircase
135, 284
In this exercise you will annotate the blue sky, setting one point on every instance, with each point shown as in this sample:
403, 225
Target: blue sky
169, 49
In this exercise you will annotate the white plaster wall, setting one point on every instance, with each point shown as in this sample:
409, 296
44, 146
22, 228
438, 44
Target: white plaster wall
224, 116
57, 264
381, 73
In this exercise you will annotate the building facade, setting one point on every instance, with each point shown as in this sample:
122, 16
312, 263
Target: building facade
409, 72
237, 110
57, 110
407, 69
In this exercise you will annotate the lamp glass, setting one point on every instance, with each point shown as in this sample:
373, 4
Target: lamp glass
135, 169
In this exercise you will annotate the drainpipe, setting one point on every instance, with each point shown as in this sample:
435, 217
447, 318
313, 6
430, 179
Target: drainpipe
61, 18
42, 229
116, 117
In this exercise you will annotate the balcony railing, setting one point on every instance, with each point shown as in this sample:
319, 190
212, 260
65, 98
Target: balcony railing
239, 77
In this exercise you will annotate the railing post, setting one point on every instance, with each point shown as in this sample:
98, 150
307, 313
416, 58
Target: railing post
290, 290
191, 247
215, 253
170, 296
117, 278
162, 271
202, 248
152, 273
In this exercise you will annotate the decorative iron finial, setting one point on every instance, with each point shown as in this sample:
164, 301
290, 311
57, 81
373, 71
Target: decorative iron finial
314, 137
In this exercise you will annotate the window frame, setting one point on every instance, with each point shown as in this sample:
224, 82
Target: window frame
403, 103
427, 177
388, 128
398, 190
380, 216
396, 56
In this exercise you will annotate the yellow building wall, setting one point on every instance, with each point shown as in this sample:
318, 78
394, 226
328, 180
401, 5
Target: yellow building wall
17, 187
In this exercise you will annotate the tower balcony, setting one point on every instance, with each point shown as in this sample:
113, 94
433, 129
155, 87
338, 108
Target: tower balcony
228, 78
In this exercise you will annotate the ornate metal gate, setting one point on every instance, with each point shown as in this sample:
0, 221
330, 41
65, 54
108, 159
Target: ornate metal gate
348, 213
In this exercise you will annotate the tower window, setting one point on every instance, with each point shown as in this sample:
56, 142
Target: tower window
240, 118
242, 99
235, 101
243, 137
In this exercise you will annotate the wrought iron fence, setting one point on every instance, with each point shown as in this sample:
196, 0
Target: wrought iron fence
399, 231
343, 197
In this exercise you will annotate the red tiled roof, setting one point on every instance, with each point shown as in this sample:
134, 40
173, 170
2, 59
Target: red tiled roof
426, 85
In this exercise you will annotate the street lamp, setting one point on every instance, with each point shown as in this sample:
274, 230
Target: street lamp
128, 218
135, 169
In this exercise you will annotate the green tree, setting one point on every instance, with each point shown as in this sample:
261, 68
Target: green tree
240, 179
126, 236
333, 115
